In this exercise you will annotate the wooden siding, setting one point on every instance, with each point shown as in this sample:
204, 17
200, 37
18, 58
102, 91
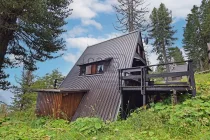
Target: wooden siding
69, 105
58, 105
48, 104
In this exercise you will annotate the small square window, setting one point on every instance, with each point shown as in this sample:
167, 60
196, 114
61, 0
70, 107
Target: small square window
93, 69
88, 69
100, 68
82, 70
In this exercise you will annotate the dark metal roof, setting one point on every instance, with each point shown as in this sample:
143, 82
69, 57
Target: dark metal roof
97, 61
103, 98
62, 90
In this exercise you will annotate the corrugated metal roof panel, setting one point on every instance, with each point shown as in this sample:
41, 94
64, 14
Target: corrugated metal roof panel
103, 98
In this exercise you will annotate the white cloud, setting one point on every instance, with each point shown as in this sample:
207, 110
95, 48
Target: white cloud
76, 31
180, 8
88, 22
81, 43
70, 57
87, 9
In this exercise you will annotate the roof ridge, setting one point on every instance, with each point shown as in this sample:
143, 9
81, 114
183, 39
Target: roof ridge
114, 38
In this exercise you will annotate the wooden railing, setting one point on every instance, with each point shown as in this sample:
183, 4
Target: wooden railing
141, 74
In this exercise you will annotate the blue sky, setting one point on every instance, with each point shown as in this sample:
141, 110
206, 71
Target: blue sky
92, 22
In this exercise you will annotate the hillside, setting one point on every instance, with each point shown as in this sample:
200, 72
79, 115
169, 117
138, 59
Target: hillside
187, 120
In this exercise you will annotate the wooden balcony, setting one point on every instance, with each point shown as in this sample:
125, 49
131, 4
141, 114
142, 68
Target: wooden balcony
140, 80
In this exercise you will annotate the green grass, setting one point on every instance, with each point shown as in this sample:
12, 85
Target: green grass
187, 120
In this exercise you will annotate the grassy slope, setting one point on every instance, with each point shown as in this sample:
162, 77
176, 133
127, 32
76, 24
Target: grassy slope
188, 120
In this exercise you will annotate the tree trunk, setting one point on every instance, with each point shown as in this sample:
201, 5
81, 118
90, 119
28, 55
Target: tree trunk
130, 16
5, 36
165, 58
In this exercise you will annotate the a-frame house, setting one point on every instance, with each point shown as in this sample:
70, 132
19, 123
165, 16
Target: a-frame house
108, 77
95, 74
103, 97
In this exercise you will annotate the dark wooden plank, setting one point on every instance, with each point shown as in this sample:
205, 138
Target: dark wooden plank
192, 79
169, 63
170, 74
175, 83
132, 70
131, 77
144, 100
136, 56
157, 88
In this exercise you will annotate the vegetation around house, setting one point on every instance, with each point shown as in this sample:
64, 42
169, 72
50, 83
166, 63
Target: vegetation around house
187, 120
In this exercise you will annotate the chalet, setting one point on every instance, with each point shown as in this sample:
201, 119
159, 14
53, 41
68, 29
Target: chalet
108, 77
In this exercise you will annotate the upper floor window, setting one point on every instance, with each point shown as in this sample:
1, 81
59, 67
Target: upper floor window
92, 68
82, 70
88, 70
100, 68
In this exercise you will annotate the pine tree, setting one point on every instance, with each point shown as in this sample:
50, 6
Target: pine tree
191, 37
131, 15
30, 31
23, 94
162, 32
205, 17
197, 35
175, 54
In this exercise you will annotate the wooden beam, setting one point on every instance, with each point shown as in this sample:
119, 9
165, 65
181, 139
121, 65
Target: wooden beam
136, 56
192, 79
131, 77
176, 83
174, 98
168, 63
132, 70
169, 74
156, 88
144, 100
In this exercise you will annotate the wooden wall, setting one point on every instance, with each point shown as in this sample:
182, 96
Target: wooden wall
58, 105
69, 104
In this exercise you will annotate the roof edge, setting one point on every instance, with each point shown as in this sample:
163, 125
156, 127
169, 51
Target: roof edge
61, 90
113, 38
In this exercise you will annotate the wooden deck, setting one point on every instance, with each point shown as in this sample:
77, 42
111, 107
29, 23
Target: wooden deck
158, 88
138, 80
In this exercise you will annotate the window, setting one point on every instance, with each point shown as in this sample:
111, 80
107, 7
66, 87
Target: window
82, 70
93, 69
88, 69
100, 68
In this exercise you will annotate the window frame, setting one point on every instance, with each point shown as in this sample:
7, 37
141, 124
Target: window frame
100, 64
82, 71
88, 70
92, 68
